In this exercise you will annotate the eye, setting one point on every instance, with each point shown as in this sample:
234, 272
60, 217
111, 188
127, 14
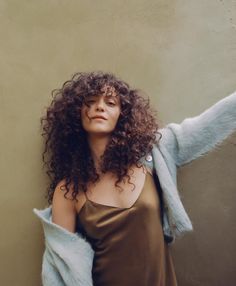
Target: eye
89, 101
111, 103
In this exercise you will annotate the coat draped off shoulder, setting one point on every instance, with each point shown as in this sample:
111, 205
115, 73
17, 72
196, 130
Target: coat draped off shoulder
68, 257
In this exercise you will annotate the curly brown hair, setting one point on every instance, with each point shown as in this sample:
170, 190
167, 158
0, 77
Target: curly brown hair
67, 155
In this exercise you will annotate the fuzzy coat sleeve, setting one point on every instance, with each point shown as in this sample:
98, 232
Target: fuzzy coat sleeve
68, 257
197, 135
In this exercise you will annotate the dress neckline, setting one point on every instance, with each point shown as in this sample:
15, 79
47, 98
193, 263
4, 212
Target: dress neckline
115, 207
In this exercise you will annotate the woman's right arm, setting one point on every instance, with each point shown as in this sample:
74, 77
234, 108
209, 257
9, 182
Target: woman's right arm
63, 209
68, 257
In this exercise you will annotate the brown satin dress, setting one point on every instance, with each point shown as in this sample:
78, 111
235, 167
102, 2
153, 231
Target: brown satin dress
128, 242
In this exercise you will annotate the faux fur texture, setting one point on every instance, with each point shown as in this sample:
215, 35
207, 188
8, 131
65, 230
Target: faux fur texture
181, 144
68, 257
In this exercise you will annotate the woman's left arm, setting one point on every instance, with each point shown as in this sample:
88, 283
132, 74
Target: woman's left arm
197, 135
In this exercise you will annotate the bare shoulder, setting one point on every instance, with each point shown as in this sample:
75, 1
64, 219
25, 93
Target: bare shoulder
63, 207
60, 191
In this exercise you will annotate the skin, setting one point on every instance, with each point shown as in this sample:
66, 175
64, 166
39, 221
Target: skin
64, 211
99, 130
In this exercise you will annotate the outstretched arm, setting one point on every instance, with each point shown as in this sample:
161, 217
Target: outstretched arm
197, 135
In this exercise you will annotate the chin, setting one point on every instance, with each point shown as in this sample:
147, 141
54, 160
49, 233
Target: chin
99, 132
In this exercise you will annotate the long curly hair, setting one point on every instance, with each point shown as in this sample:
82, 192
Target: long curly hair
66, 153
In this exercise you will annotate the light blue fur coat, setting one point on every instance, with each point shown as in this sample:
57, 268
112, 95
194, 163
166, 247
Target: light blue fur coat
68, 257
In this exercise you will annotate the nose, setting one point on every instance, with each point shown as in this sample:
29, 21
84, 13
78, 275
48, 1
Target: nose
100, 105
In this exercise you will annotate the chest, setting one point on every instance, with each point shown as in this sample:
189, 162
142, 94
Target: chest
123, 195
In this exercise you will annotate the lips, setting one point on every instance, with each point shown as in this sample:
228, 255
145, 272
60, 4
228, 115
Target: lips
100, 117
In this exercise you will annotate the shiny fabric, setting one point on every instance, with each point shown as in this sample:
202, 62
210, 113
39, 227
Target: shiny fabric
128, 242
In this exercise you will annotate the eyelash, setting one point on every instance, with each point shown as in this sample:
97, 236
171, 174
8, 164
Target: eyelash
112, 103
92, 101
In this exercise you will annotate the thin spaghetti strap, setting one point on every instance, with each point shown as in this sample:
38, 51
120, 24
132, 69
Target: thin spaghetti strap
149, 170
85, 193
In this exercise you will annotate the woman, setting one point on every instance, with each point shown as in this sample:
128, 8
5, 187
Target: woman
100, 136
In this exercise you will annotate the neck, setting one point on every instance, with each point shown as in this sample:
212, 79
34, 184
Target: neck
97, 144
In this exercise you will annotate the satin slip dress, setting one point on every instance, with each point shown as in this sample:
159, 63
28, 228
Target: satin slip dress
128, 242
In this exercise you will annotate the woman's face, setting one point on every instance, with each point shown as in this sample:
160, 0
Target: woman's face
100, 113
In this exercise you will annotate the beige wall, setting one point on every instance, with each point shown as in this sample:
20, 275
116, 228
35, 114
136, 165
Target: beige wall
182, 53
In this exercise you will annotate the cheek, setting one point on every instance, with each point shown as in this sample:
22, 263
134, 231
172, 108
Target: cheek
84, 118
84, 113
116, 117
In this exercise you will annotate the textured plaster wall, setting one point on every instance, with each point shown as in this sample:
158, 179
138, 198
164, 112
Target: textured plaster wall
181, 53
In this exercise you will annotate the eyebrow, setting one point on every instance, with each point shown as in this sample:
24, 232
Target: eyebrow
115, 97
112, 96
